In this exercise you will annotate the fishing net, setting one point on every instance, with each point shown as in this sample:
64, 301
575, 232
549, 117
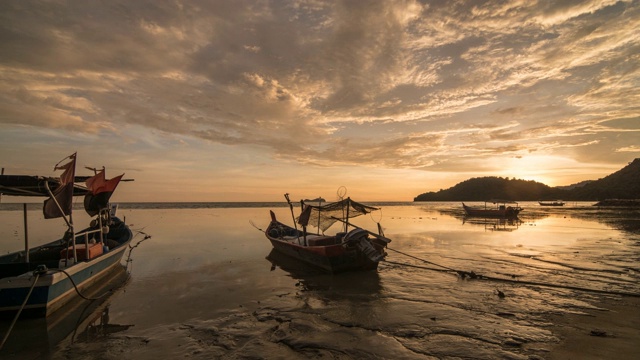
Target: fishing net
324, 216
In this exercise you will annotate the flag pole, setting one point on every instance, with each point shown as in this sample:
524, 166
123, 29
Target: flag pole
66, 179
26, 233
55, 201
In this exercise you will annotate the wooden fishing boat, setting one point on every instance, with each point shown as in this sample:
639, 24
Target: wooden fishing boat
551, 203
42, 279
353, 248
500, 210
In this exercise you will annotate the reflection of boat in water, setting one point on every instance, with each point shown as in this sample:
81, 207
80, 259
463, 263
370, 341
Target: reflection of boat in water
297, 268
551, 203
355, 249
40, 280
501, 209
313, 278
77, 321
494, 224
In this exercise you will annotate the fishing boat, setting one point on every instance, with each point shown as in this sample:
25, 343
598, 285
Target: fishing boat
499, 210
551, 203
42, 279
352, 248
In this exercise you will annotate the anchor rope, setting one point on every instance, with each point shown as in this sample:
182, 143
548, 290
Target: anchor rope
423, 260
129, 260
473, 275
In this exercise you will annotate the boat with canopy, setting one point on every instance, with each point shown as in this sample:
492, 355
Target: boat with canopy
351, 248
502, 209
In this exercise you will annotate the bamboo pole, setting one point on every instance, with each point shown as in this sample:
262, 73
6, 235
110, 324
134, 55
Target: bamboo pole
26, 233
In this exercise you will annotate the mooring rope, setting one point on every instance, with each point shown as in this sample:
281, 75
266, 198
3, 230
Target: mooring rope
36, 273
416, 266
78, 290
473, 275
417, 258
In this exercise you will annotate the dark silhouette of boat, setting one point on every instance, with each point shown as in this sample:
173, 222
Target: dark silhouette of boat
551, 203
352, 249
500, 210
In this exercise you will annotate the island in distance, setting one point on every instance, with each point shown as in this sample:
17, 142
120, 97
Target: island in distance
623, 185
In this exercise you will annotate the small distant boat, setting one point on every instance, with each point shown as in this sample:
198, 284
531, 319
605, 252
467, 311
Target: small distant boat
42, 279
351, 249
551, 203
501, 209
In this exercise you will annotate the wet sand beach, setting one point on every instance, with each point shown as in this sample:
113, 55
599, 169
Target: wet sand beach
207, 285
608, 332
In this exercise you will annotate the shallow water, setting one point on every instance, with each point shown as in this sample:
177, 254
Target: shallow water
207, 285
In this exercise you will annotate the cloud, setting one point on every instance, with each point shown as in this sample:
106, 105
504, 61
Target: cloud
303, 78
629, 149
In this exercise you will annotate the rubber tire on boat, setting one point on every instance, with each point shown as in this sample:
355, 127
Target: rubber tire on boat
274, 233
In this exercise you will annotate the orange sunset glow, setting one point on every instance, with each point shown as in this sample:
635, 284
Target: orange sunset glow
246, 100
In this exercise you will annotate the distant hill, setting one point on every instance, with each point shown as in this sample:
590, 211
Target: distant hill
485, 188
573, 186
623, 184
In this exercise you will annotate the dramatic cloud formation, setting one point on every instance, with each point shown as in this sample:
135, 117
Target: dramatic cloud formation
243, 100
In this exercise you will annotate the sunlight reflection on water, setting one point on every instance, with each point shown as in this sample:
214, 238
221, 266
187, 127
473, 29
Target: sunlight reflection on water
202, 286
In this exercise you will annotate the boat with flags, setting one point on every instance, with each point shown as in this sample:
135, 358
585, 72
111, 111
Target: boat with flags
351, 248
41, 279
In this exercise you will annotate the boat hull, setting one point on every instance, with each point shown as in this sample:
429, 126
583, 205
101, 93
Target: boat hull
37, 338
333, 254
333, 259
55, 287
553, 203
506, 212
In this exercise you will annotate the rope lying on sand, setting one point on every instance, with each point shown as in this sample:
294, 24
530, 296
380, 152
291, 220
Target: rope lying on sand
472, 275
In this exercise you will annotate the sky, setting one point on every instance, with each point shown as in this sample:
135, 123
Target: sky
248, 100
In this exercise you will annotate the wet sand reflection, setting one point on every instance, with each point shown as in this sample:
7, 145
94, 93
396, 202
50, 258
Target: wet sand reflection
208, 285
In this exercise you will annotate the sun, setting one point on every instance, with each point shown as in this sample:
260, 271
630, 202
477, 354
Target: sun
545, 169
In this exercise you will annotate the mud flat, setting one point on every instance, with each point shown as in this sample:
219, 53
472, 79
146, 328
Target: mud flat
611, 332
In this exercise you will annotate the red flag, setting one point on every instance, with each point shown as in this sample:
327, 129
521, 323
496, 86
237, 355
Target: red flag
69, 171
97, 183
63, 193
100, 191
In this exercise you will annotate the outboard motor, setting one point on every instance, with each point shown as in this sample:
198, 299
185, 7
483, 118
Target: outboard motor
360, 238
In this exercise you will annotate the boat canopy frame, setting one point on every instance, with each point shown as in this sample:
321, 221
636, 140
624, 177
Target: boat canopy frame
36, 186
324, 216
